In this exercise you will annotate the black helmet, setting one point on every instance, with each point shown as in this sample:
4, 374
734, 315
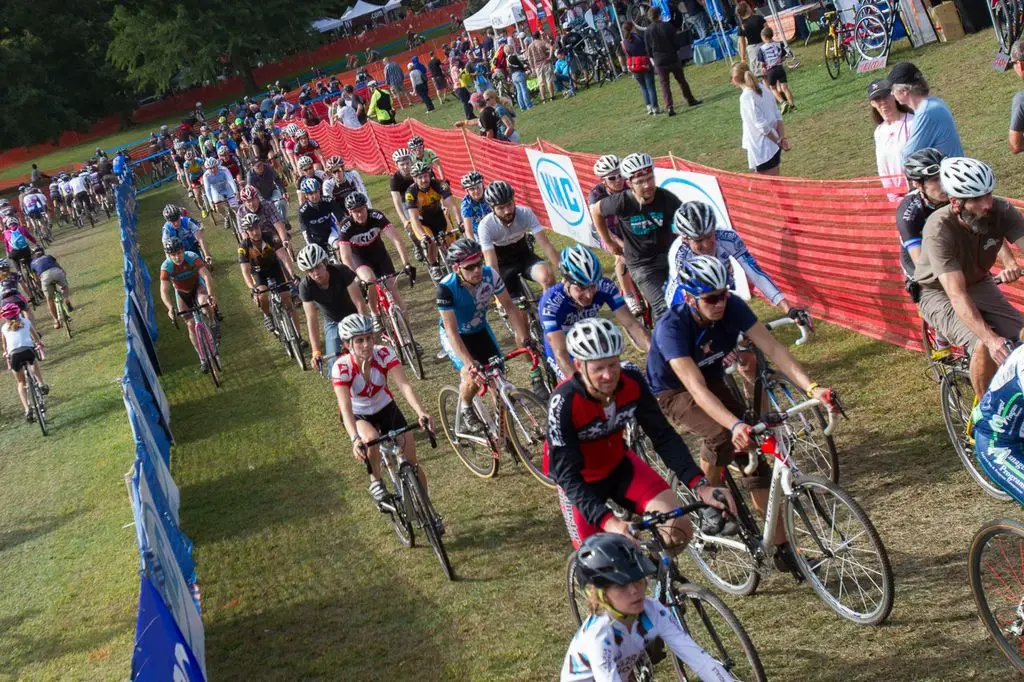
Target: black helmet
472, 179
172, 245
923, 164
611, 559
172, 212
462, 249
499, 192
415, 141
355, 200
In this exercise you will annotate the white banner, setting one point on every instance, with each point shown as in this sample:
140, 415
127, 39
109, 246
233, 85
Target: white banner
695, 187
563, 197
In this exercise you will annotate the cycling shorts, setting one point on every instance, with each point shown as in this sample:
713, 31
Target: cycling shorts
21, 358
187, 300
511, 269
388, 418
36, 212
51, 279
84, 198
632, 485
377, 259
1003, 464
264, 275
482, 346
21, 256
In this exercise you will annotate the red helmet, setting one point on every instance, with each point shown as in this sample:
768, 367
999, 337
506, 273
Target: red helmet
249, 192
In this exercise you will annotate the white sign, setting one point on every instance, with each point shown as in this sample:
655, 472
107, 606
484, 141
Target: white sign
1001, 61
869, 65
563, 197
695, 187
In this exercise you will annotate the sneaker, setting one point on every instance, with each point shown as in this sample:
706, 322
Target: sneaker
650, 110
634, 306
713, 522
378, 492
418, 348
268, 322
377, 325
540, 390
470, 421
442, 354
785, 108
45, 388
671, 111
695, 102
439, 522
29, 417
204, 366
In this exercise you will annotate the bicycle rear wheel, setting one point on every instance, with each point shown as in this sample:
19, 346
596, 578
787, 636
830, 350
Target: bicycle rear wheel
208, 352
294, 341
833, 60
957, 397
38, 402
425, 513
479, 459
63, 315
995, 569
839, 551
526, 424
811, 449
411, 356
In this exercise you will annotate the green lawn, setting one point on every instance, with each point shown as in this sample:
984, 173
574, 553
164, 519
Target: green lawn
302, 579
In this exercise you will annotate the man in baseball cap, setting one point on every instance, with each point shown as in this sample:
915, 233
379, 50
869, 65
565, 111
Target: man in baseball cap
933, 121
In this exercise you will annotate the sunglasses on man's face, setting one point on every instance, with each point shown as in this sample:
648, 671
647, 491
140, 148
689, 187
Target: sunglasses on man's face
714, 299
472, 266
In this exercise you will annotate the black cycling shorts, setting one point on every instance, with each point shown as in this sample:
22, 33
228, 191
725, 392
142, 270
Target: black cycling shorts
776, 75
21, 358
21, 256
481, 346
387, 419
264, 275
376, 258
510, 271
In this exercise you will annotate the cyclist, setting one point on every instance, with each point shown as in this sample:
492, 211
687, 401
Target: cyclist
644, 215
998, 427
21, 349
306, 146
586, 452
686, 370
229, 162
367, 407
56, 198
271, 188
307, 170
340, 183
401, 180
78, 184
316, 218
506, 247
51, 275
463, 298
218, 185
33, 206
193, 172
579, 296
330, 289
426, 200
12, 289
185, 283
623, 622
611, 182
428, 156
264, 260
925, 196
473, 208
186, 229
960, 243
18, 240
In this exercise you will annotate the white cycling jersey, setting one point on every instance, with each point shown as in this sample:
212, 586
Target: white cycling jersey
370, 393
605, 649
76, 185
33, 202
728, 243
219, 185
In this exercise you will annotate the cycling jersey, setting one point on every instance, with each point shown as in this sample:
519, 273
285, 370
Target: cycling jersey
318, 223
267, 213
369, 390
430, 157
470, 306
16, 238
475, 211
262, 257
911, 215
33, 203
646, 230
558, 312
184, 277
429, 203
999, 427
509, 241
596, 195
194, 170
727, 243
77, 185
338, 191
365, 235
219, 185
186, 233
67, 190
606, 650
307, 148
43, 263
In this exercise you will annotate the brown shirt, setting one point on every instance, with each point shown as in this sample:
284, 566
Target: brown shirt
948, 246
538, 53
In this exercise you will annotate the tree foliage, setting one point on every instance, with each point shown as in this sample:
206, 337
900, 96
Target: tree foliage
473, 6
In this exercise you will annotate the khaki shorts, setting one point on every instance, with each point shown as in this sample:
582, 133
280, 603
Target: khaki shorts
546, 74
998, 313
51, 278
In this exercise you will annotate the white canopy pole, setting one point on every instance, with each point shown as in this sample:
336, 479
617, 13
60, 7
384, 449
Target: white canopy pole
719, 29
778, 22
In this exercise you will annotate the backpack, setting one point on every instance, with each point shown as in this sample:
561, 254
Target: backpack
17, 240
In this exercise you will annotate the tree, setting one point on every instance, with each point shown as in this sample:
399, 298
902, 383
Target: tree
473, 6
161, 44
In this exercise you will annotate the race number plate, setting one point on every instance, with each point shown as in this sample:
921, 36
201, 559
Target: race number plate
867, 65
1001, 62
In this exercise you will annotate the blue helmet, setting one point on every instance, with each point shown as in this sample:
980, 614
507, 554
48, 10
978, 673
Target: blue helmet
310, 186
580, 265
118, 166
702, 275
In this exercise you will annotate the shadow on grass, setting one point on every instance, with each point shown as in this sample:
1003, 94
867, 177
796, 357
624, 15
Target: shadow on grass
21, 651
29, 529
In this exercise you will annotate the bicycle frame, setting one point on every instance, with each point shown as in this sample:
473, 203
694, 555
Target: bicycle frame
502, 387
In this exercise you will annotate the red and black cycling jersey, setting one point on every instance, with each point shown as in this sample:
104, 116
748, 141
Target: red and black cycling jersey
586, 440
306, 148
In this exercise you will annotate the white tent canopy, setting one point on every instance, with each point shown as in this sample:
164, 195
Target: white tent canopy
496, 14
360, 9
393, 5
325, 24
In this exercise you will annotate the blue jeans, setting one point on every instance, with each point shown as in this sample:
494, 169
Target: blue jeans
332, 342
563, 83
522, 92
646, 83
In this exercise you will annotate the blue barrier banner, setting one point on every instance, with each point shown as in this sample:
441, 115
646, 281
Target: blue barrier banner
139, 343
161, 651
143, 418
133, 314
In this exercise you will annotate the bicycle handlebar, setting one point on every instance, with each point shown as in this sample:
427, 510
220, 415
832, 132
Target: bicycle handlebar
189, 311
652, 519
496, 362
773, 419
805, 333
395, 433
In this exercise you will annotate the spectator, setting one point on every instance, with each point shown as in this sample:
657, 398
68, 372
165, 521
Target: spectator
662, 43
462, 80
770, 56
506, 116
395, 80
563, 75
698, 17
518, 69
892, 130
640, 66
751, 25
538, 55
419, 84
347, 114
381, 105
933, 121
487, 120
1017, 107
764, 137
488, 43
437, 75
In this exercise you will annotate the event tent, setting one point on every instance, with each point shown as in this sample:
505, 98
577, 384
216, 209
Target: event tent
496, 14
324, 25
361, 9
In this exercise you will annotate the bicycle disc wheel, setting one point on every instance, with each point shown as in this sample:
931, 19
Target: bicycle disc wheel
833, 60
995, 568
420, 503
839, 551
208, 351
526, 424
406, 343
957, 397
871, 36
811, 450
479, 459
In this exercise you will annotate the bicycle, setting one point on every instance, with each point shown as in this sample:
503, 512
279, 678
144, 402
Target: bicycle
63, 314
527, 304
701, 614
36, 397
516, 422
410, 501
1008, 20
80, 213
397, 332
838, 43
32, 285
205, 335
834, 544
284, 325
873, 29
995, 573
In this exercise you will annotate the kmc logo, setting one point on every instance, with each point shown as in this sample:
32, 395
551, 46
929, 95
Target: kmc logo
560, 192
688, 187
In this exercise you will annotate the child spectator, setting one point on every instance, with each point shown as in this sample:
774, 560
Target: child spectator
563, 75
770, 54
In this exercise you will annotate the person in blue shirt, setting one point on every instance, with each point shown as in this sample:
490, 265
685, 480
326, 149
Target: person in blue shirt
51, 275
563, 75
474, 208
185, 229
999, 427
463, 299
933, 121
581, 294
690, 346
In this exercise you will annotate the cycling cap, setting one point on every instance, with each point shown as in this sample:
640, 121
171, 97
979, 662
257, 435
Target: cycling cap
251, 220
924, 163
310, 186
415, 141
595, 339
499, 192
635, 164
311, 256
172, 245
420, 168
355, 325
472, 179
702, 275
400, 155
694, 220
335, 162
210, 164
964, 178
611, 559
172, 212
355, 200
305, 162
579, 264
606, 165
461, 250
10, 311
249, 192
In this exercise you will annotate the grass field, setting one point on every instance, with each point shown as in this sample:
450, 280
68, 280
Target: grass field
302, 578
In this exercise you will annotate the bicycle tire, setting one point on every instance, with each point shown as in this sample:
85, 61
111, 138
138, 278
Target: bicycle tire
401, 518
447, 404
64, 315
871, 37
1003, 27
1003, 591
38, 404
809, 444
294, 342
833, 60
578, 604
425, 513
208, 352
407, 343
808, 496
957, 396
533, 427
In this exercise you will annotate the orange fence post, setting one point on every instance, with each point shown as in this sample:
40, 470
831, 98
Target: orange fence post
469, 151
672, 159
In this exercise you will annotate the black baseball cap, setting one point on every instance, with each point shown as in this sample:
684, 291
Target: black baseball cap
904, 73
879, 88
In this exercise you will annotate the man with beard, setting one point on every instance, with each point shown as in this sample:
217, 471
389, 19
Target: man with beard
961, 241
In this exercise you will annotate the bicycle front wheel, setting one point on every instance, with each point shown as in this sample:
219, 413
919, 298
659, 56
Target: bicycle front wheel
811, 450
424, 511
957, 396
478, 458
839, 551
995, 567
871, 36
526, 423
411, 357
833, 60
208, 352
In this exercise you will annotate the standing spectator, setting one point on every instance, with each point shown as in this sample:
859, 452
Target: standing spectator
538, 55
764, 137
382, 108
461, 81
488, 43
751, 25
892, 130
698, 17
347, 114
770, 56
933, 121
506, 116
488, 119
662, 42
1017, 107
518, 69
639, 65
437, 75
395, 80
419, 84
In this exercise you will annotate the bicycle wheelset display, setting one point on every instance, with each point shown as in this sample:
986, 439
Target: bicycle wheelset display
957, 396
871, 36
428, 522
995, 568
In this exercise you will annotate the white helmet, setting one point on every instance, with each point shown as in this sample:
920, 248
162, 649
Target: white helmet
211, 163
305, 162
311, 256
702, 275
292, 129
964, 178
595, 339
694, 220
606, 165
354, 325
635, 164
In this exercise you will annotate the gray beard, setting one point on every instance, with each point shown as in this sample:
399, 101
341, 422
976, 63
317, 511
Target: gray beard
975, 223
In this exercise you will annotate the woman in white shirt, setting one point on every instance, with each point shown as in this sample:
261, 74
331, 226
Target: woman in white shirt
892, 130
20, 340
764, 136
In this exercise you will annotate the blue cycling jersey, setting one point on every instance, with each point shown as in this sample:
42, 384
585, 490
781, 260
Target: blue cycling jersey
186, 233
474, 210
558, 312
727, 243
470, 307
999, 427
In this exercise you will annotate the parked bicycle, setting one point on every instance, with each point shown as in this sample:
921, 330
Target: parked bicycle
206, 329
1008, 20
701, 614
838, 44
397, 333
284, 325
995, 570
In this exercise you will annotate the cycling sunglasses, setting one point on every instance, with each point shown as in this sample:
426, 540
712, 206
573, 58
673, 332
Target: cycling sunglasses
472, 266
714, 299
